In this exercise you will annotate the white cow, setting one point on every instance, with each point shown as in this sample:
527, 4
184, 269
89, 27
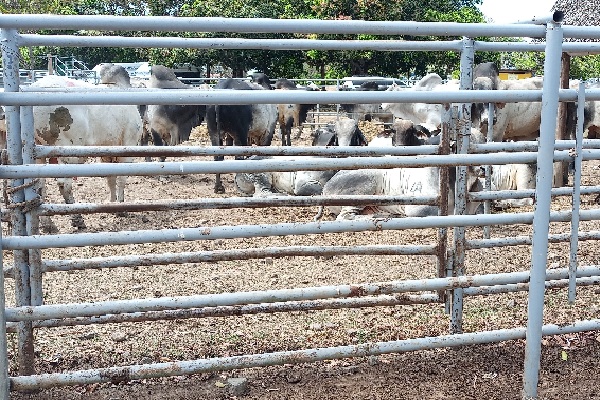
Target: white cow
345, 132
411, 182
427, 115
512, 121
513, 177
86, 125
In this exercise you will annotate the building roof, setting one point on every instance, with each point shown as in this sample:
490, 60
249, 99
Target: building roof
579, 12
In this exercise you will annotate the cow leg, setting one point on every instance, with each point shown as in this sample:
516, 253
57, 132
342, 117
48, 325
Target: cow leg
299, 132
47, 225
286, 136
158, 141
262, 184
144, 140
351, 213
219, 187
116, 187
65, 186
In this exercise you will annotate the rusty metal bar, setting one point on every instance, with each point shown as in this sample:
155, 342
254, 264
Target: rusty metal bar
442, 247
147, 371
4, 362
282, 229
265, 165
576, 199
525, 193
232, 254
467, 57
10, 60
232, 202
31, 197
526, 240
16, 314
225, 311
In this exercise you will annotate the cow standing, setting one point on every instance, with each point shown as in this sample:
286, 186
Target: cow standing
86, 125
425, 114
241, 124
512, 121
170, 124
290, 114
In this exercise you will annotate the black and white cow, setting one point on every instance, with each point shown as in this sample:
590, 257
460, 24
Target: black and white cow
290, 115
241, 124
169, 125
85, 125
344, 132
397, 182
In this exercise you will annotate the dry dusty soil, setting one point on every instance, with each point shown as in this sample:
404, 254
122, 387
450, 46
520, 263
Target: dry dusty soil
570, 364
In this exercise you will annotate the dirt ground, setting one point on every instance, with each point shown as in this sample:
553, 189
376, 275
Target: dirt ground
570, 363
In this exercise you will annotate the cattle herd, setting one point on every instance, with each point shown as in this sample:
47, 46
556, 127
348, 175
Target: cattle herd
412, 124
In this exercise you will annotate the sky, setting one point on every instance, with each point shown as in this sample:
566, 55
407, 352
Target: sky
507, 11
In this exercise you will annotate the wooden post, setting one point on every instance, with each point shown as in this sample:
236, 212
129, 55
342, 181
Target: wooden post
561, 169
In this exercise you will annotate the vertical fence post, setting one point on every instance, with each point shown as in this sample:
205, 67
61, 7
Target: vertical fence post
487, 204
10, 60
463, 130
31, 196
576, 194
4, 381
541, 218
442, 244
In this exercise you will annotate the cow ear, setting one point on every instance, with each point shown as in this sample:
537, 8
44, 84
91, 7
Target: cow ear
421, 129
500, 105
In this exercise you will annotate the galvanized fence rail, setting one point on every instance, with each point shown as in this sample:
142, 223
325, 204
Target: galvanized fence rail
25, 242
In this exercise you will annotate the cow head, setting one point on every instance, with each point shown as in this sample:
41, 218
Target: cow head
408, 134
480, 112
114, 75
344, 132
262, 80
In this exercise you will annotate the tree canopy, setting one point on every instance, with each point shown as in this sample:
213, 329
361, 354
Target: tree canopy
299, 64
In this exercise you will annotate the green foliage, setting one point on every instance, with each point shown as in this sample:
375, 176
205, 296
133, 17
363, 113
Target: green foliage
585, 67
309, 63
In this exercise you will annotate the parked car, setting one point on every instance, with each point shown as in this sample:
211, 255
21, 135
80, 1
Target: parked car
354, 82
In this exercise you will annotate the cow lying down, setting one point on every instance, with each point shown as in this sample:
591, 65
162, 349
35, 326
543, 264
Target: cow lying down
344, 132
513, 177
397, 182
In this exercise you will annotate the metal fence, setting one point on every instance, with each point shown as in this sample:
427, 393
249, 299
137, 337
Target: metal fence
452, 284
